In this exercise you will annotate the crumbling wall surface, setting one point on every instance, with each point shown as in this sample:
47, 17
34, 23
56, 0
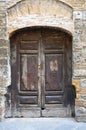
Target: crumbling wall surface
4, 57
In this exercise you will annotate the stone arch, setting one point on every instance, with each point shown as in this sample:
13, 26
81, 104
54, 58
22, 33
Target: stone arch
37, 27
11, 3
51, 7
27, 13
36, 20
67, 25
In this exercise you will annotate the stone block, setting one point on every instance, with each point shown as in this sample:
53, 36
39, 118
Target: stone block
79, 73
2, 107
77, 15
84, 15
2, 14
80, 111
40, 7
77, 57
76, 37
3, 33
84, 24
83, 91
78, 24
3, 3
80, 103
83, 83
3, 43
77, 85
2, 22
81, 118
82, 36
4, 71
83, 96
3, 52
3, 61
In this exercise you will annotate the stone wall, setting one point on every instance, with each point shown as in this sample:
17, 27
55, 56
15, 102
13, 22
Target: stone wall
71, 17
79, 62
4, 60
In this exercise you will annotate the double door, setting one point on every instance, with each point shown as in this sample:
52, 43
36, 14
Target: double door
38, 73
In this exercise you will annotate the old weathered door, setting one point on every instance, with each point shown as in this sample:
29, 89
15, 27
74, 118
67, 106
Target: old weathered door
53, 73
38, 73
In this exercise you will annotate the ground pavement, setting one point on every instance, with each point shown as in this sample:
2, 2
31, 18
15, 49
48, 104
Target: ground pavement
42, 124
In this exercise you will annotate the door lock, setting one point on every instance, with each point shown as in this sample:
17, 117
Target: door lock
39, 66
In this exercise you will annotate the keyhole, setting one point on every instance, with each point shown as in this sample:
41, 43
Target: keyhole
43, 108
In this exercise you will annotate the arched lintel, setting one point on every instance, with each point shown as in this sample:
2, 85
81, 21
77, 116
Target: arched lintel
38, 27
66, 3
61, 1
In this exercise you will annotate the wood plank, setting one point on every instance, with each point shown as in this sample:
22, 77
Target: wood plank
28, 93
29, 45
51, 93
28, 99
53, 99
55, 51
54, 112
28, 51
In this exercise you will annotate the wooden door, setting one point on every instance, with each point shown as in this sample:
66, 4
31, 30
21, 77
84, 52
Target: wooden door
54, 73
26, 88
38, 73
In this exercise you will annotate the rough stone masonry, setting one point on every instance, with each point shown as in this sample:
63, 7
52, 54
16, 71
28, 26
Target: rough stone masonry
4, 59
18, 14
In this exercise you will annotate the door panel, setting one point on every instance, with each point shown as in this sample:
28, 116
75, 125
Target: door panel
28, 99
29, 45
54, 78
28, 72
53, 99
54, 72
28, 91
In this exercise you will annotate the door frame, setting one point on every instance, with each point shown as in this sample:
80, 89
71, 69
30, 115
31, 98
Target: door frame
41, 54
